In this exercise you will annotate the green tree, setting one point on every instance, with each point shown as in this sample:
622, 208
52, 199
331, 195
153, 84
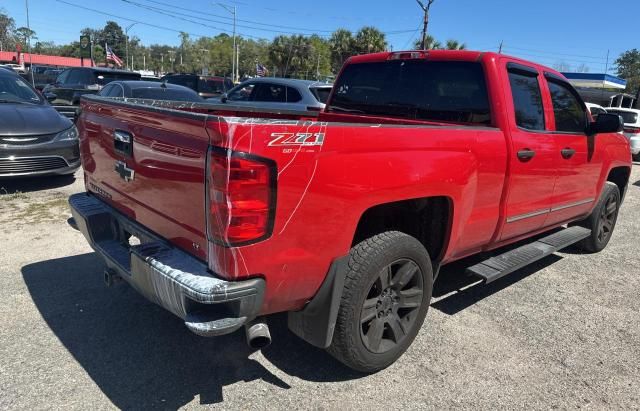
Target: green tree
342, 46
7, 29
628, 67
430, 43
369, 40
455, 45
23, 34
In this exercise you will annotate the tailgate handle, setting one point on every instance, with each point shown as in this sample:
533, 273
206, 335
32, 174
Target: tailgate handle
123, 142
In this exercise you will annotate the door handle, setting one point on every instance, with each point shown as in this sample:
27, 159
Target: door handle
567, 153
526, 154
123, 142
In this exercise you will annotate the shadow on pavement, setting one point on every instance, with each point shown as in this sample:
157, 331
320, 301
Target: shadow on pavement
27, 185
460, 291
141, 356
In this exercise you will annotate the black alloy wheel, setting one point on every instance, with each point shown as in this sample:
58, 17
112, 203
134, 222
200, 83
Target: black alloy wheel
391, 306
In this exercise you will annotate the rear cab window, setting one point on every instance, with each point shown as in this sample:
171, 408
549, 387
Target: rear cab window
416, 89
103, 78
209, 85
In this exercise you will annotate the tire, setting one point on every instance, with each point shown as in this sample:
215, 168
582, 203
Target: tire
390, 272
636, 157
602, 220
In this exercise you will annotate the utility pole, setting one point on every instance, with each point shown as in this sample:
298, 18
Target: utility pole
234, 56
425, 8
162, 63
172, 60
205, 69
33, 83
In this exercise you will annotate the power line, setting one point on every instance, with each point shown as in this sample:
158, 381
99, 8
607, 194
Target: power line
301, 31
130, 19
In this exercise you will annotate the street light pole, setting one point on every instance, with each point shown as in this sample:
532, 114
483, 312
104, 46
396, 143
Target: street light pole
234, 67
126, 37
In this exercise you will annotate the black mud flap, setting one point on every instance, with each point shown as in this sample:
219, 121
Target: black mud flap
316, 322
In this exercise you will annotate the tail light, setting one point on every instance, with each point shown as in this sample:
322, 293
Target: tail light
408, 55
631, 130
241, 197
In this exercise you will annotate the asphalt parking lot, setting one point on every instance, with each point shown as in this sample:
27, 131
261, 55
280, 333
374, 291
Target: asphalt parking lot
564, 333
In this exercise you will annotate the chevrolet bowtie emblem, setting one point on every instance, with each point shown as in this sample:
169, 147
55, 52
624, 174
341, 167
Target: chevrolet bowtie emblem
124, 172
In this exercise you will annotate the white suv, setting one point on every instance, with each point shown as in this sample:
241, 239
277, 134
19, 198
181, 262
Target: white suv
631, 118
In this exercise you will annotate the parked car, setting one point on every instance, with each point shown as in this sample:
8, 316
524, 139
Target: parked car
149, 90
418, 160
595, 110
42, 76
77, 81
34, 138
631, 118
206, 86
278, 93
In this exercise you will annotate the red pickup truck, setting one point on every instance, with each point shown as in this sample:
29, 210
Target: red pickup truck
343, 220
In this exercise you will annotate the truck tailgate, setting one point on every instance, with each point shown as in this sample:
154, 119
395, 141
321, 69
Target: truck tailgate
149, 164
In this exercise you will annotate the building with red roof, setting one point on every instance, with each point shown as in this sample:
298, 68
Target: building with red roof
42, 59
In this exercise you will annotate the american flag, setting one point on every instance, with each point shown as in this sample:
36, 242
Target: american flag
261, 71
112, 56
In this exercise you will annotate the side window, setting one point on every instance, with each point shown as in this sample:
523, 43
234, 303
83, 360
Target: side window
293, 95
75, 77
116, 91
527, 100
242, 93
274, 93
567, 109
62, 78
105, 92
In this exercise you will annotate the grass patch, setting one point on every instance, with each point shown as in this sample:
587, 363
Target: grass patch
7, 196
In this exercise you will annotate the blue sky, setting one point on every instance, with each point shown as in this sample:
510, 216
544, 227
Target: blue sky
571, 31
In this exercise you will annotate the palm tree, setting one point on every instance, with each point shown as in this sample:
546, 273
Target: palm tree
342, 47
370, 40
430, 43
455, 45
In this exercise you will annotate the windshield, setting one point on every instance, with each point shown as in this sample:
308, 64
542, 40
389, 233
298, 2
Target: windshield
13, 89
447, 91
321, 93
103, 78
628, 117
166, 94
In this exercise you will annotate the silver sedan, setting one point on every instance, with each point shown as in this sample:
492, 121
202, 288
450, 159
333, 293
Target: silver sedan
278, 94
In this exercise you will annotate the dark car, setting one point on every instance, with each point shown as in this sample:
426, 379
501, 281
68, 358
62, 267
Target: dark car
76, 81
34, 138
149, 90
205, 86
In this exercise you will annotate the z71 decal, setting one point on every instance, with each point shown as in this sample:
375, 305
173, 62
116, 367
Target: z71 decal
296, 139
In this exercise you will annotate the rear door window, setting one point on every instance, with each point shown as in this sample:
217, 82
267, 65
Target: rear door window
268, 92
567, 109
293, 95
527, 100
449, 91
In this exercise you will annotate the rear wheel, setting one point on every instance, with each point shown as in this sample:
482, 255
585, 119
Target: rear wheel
385, 300
602, 220
636, 157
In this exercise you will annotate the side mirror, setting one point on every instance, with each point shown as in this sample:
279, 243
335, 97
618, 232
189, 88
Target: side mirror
50, 97
224, 98
606, 123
